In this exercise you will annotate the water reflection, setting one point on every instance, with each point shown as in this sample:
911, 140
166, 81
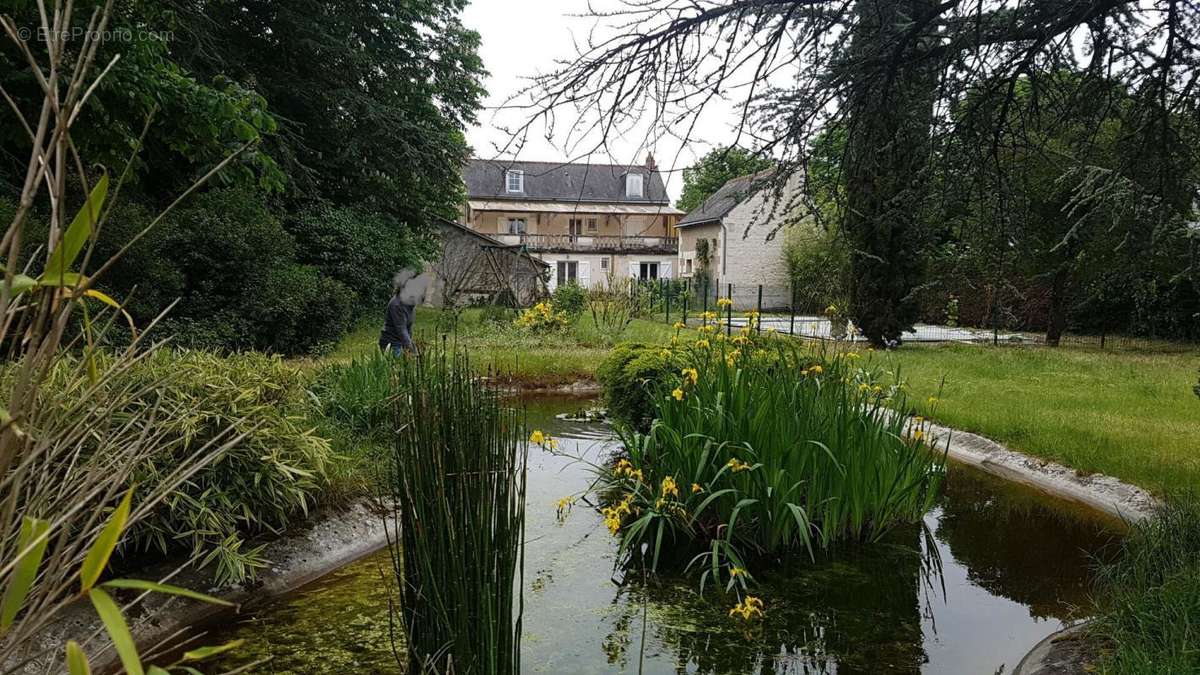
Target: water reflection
993, 569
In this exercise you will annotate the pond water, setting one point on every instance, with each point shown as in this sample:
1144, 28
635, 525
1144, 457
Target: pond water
994, 568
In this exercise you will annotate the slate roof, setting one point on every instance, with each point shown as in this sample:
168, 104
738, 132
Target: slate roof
562, 182
721, 202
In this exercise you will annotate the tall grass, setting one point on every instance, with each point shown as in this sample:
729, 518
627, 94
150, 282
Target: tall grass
1149, 597
761, 447
457, 476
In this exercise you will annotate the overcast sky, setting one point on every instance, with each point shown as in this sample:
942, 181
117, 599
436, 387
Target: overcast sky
525, 37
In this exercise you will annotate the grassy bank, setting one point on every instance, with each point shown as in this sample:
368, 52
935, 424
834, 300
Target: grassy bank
527, 358
1129, 415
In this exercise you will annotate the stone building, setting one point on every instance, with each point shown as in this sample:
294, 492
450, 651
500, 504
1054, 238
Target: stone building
742, 224
586, 221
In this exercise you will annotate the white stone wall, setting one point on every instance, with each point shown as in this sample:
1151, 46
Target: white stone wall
594, 268
751, 256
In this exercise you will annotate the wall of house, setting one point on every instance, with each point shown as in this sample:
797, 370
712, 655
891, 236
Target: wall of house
594, 268
496, 222
752, 255
688, 236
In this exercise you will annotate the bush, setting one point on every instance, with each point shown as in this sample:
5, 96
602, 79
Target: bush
357, 396
233, 267
570, 298
270, 475
817, 263
542, 318
361, 249
760, 446
1149, 597
632, 375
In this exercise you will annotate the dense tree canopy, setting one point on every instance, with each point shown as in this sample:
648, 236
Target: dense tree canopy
889, 73
715, 169
349, 119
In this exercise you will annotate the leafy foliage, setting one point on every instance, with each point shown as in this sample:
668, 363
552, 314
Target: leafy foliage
457, 475
543, 317
714, 170
1150, 595
759, 446
632, 374
273, 472
570, 298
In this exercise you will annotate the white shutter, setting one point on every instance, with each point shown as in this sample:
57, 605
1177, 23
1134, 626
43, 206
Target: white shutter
634, 269
664, 270
585, 274
553, 283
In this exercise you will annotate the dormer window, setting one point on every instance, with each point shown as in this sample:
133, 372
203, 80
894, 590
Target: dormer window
633, 186
514, 181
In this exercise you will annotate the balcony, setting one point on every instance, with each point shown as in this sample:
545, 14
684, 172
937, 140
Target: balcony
569, 243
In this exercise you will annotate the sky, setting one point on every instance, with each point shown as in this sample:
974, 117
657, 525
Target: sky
522, 38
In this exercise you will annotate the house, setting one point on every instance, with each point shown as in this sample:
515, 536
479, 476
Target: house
741, 225
474, 267
586, 221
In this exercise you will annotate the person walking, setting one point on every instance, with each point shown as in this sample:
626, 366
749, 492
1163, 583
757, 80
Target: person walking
396, 336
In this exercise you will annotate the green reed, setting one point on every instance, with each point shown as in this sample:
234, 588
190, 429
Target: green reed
457, 476
772, 448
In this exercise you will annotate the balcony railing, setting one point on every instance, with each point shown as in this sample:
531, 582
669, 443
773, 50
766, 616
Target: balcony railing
592, 243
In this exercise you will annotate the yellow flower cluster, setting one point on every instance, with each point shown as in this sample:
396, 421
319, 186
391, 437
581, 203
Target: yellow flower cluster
724, 302
542, 317
564, 506
690, 375
613, 514
737, 466
669, 487
543, 439
679, 325
696, 489
710, 315
677, 394
624, 468
702, 344
735, 572
812, 370
750, 608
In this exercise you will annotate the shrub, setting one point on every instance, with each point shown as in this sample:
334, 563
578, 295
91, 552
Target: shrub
759, 446
232, 266
1149, 596
570, 298
542, 318
817, 263
632, 375
359, 248
357, 396
258, 485
613, 306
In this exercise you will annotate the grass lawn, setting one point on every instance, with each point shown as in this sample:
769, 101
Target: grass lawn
543, 360
1129, 415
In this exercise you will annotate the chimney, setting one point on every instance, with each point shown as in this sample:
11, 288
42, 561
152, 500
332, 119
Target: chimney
650, 163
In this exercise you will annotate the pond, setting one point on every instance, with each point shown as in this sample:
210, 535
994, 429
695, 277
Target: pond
994, 568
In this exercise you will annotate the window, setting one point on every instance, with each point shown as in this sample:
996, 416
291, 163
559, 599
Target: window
516, 226
514, 181
604, 264
687, 264
576, 225
647, 270
591, 224
633, 185
568, 271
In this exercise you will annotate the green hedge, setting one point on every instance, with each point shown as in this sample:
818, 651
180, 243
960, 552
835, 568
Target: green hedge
631, 374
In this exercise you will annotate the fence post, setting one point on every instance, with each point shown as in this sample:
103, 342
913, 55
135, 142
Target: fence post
667, 285
758, 312
704, 317
792, 321
729, 310
685, 304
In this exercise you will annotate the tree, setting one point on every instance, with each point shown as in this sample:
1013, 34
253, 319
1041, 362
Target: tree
888, 71
718, 167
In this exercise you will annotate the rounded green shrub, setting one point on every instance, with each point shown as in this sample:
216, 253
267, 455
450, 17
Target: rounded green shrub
570, 298
632, 374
